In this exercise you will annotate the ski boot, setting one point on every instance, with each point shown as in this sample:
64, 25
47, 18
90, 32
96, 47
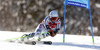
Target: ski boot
25, 37
42, 36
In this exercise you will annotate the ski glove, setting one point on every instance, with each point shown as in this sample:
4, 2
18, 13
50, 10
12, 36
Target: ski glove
52, 33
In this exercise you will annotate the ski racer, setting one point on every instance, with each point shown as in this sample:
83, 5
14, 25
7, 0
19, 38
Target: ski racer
49, 26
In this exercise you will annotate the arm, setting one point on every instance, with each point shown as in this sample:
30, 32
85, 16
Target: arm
46, 23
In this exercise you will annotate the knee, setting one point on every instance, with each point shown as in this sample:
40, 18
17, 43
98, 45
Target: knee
32, 34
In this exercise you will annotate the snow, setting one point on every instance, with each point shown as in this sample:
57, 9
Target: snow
73, 42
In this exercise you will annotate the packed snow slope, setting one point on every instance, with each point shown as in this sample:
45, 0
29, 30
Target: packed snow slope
73, 42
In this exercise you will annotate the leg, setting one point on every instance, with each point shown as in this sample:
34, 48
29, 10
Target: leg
44, 34
37, 32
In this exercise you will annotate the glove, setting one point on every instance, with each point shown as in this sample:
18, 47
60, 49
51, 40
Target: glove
52, 33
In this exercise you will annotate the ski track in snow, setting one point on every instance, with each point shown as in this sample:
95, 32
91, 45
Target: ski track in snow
73, 42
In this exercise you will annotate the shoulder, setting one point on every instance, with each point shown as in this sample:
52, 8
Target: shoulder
47, 17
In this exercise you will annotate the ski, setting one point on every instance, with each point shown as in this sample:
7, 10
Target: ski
23, 42
43, 42
31, 42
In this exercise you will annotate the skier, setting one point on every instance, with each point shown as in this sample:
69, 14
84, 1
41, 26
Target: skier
49, 26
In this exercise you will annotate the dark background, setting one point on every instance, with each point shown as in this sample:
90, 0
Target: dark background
25, 15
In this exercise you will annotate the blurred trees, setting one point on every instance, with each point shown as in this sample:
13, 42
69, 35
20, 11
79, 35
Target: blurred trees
25, 15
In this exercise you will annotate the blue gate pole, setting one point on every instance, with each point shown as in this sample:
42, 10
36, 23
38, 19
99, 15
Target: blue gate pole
64, 21
91, 21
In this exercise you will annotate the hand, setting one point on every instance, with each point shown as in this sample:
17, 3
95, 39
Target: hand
52, 33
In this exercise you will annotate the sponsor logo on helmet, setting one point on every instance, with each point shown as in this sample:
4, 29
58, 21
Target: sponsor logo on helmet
54, 15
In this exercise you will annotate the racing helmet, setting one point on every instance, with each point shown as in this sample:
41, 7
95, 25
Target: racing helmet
54, 15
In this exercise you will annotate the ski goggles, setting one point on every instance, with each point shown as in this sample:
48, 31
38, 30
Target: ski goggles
54, 18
